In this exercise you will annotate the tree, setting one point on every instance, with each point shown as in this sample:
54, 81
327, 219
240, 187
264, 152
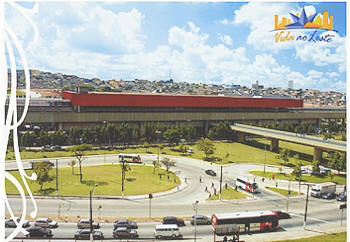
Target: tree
78, 151
72, 163
284, 155
124, 167
297, 171
156, 165
172, 135
42, 170
316, 167
207, 146
168, 163
337, 161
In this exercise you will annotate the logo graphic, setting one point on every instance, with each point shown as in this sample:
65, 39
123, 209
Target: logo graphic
316, 22
323, 22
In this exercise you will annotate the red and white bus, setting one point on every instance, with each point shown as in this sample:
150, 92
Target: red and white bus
246, 184
132, 158
255, 221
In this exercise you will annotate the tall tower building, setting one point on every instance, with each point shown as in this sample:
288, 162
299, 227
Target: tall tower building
290, 84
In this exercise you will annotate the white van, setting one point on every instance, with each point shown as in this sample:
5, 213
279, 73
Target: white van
167, 231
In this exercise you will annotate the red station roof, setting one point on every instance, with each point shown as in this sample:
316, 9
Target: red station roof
160, 100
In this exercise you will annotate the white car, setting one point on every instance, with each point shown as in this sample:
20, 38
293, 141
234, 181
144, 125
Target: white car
167, 231
10, 223
46, 223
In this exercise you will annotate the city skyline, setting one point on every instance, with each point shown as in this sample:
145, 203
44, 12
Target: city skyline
213, 43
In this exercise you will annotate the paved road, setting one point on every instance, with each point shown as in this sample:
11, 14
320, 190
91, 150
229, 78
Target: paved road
179, 203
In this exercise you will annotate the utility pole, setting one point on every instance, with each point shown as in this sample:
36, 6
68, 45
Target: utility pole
220, 182
56, 177
288, 195
307, 200
150, 196
195, 207
123, 176
91, 235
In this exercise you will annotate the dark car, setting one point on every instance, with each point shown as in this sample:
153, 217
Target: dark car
283, 215
125, 223
341, 197
124, 232
173, 220
85, 234
210, 172
329, 195
10, 223
37, 232
200, 219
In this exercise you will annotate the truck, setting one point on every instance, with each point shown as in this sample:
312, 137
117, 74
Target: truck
318, 189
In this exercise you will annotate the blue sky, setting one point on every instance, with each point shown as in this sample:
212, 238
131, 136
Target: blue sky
215, 42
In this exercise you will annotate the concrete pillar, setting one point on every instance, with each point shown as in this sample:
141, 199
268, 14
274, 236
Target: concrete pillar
318, 123
274, 145
206, 127
317, 153
241, 137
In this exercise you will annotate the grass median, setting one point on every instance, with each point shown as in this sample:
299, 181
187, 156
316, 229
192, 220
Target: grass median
228, 194
338, 179
139, 180
283, 192
335, 237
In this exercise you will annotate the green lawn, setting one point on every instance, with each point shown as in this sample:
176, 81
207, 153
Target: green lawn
336, 237
139, 180
313, 179
237, 153
228, 194
283, 192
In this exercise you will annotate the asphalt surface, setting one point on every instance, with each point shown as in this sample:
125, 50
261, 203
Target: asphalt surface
179, 201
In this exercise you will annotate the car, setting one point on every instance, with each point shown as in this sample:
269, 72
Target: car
56, 147
125, 223
125, 232
210, 172
305, 171
190, 150
46, 148
85, 223
167, 231
46, 223
85, 234
173, 220
36, 232
10, 223
283, 215
329, 195
325, 171
341, 197
200, 219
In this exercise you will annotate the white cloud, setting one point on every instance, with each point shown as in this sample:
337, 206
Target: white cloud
226, 39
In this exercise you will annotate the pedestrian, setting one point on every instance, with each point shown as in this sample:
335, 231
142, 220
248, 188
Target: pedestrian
276, 185
177, 186
225, 185
175, 179
168, 177
209, 195
200, 179
225, 239
206, 189
212, 184
236, 188
185, 180
263, 179
214, 191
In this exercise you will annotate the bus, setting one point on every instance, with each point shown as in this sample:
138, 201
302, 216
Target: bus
132, 158
246, 184
255, 221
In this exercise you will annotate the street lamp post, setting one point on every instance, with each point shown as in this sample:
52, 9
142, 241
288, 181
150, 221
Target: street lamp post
307, 200
91, 192
288, 195
158, 133
220, 183
56, 177
195, 207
